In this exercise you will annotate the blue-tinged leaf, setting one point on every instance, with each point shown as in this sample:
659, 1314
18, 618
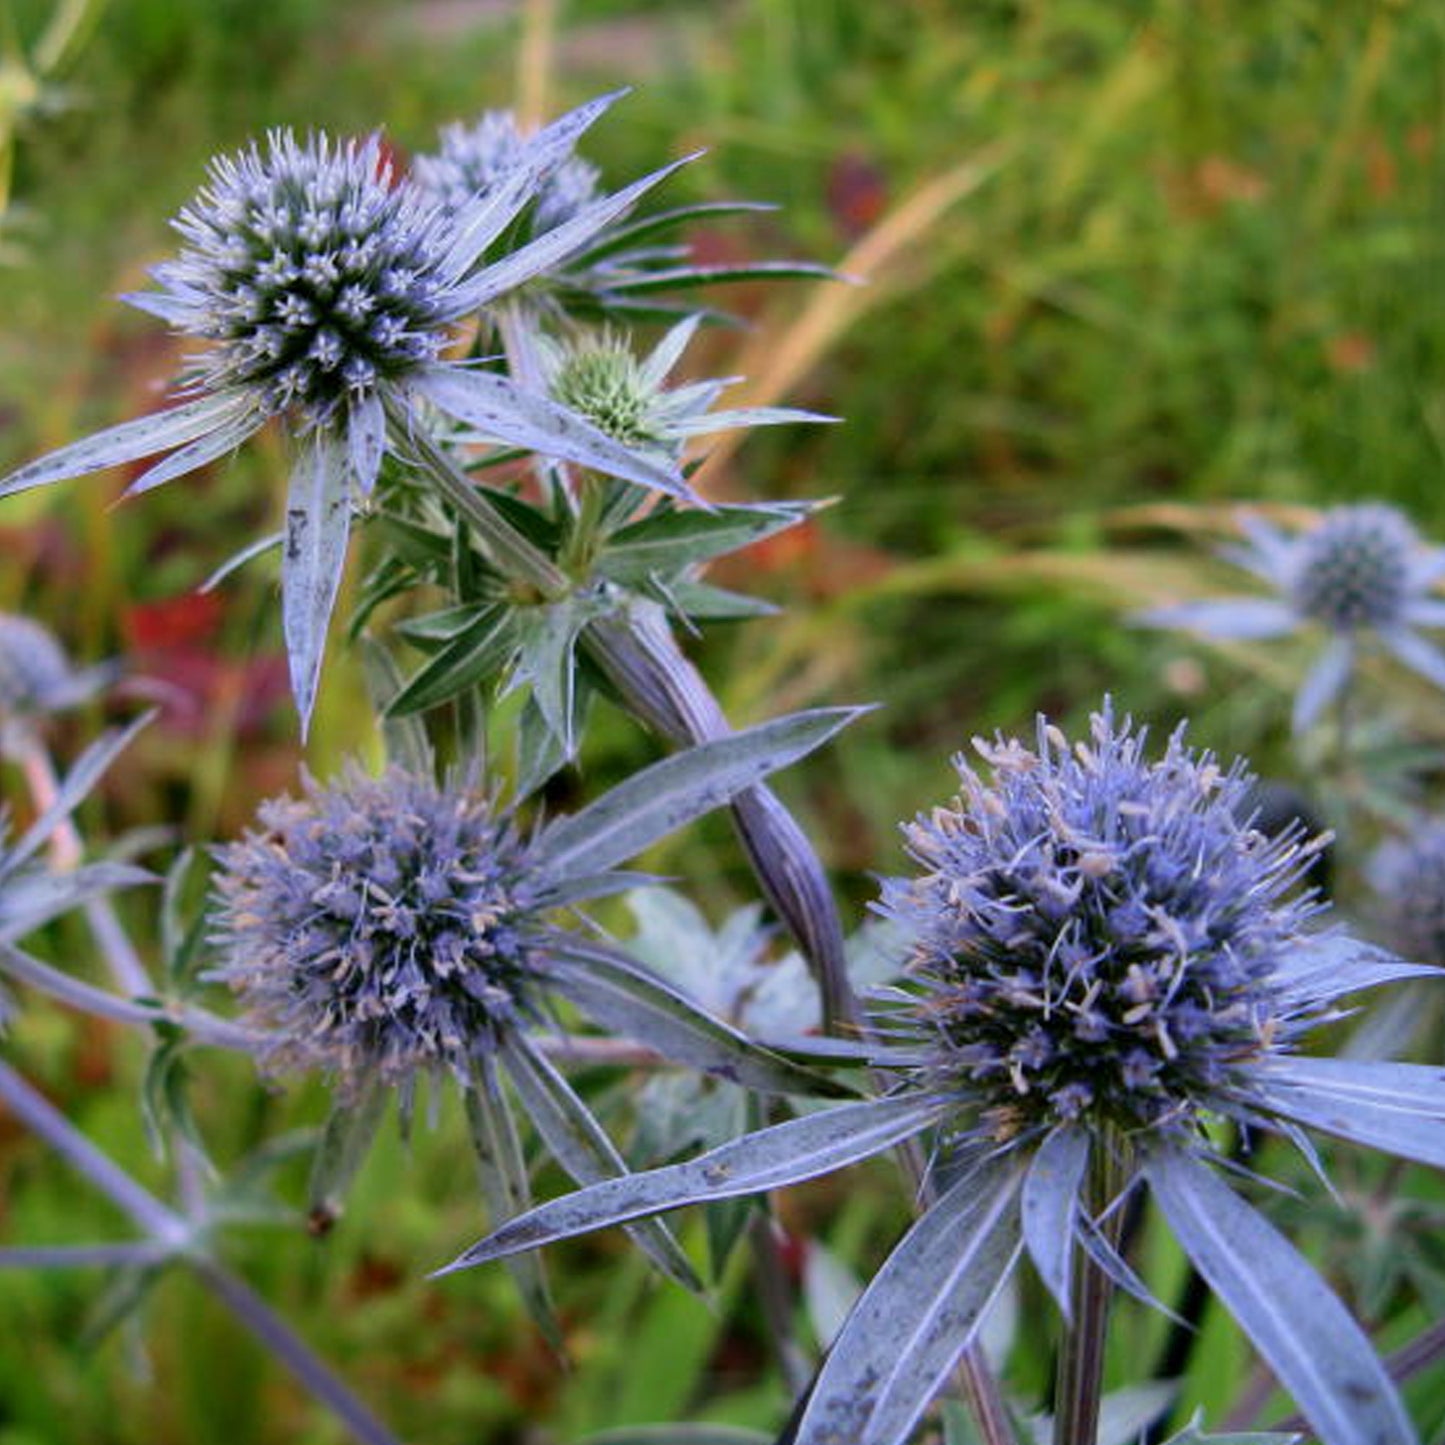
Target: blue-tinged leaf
226, 437
1397, 1107
502, 409
581, 1146
677, 1435
1125, 1415
1330, 965
772, 1158
546, 660
1116, 1268
561, 242
1306, 1336
318, 524
627, 999
1323, 682
1416, 653
1226, 619
406, 738
919, 1313
365, 440
30, 900
662, 798
74, 787
1050, 1204
481, 223
747, 416
129, 442
502, 1171
667, 353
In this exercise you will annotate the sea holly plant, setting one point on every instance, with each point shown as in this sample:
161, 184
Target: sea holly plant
1107, 960
1361, 573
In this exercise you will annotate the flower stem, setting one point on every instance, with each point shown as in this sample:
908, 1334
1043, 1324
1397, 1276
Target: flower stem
1080, 1380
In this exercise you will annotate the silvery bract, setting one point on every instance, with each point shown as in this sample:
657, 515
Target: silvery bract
1104, 956
326, 290
1361, 573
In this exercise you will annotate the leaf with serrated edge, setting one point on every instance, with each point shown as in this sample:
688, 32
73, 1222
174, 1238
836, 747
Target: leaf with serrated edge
1050, 1202
1306, 1336
772, 1158
629, 1000
318, 525
662, 798
919, 1313
581, 1146
1396, 1107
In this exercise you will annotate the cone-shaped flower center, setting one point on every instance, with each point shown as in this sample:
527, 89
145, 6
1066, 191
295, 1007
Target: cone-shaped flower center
1354, 569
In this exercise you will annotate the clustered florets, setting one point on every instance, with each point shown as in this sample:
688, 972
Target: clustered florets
600, 378
1095, 935
1354, 569
315, 271
377, 927
1408, 875
473, 158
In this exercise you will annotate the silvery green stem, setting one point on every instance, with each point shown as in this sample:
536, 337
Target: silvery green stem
1080, 1381
177, 1237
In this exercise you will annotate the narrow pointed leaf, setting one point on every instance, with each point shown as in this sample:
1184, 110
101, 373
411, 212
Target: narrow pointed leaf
1323, 682
620, 238
345, 1143
581, 1146
662, 798
31, 900
502, 1171
237, 560
1330, 965
128, 442
225, 438
1306, 1336
666, 542
502, 409
686, 276
73, 789
1417, 654
918, 1314
1396, 1107
366, 441
561, 242
318, 523
472, 658
1225, 619
547, 663
627, 999
1050, 1204
772, 1158
405, 737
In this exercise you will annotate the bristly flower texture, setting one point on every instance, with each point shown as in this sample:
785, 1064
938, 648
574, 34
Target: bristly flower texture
326, 291
385, 928
1105, 957
1361, 572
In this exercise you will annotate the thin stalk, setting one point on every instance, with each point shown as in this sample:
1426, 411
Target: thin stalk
179, 1239
776, 1302
1080, 1381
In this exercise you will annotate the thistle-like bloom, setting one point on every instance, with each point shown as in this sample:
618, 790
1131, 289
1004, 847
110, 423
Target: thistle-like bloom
600, 377
1361, 573
1105, 957
326, 291
36, 677
475, 159
379, 929
1408, 876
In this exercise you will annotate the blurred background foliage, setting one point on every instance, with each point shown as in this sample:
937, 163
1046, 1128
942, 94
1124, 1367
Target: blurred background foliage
1124, 264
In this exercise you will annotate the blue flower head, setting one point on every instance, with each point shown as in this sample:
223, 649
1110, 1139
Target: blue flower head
1408, 876
378, 927
1361, 572
325, 291
474, 159
1105, 957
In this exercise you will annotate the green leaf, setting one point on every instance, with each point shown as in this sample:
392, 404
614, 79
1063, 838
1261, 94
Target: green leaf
546, 659
669, 540
621, 238
473, 658
688, 276
405, 736
345, 1142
